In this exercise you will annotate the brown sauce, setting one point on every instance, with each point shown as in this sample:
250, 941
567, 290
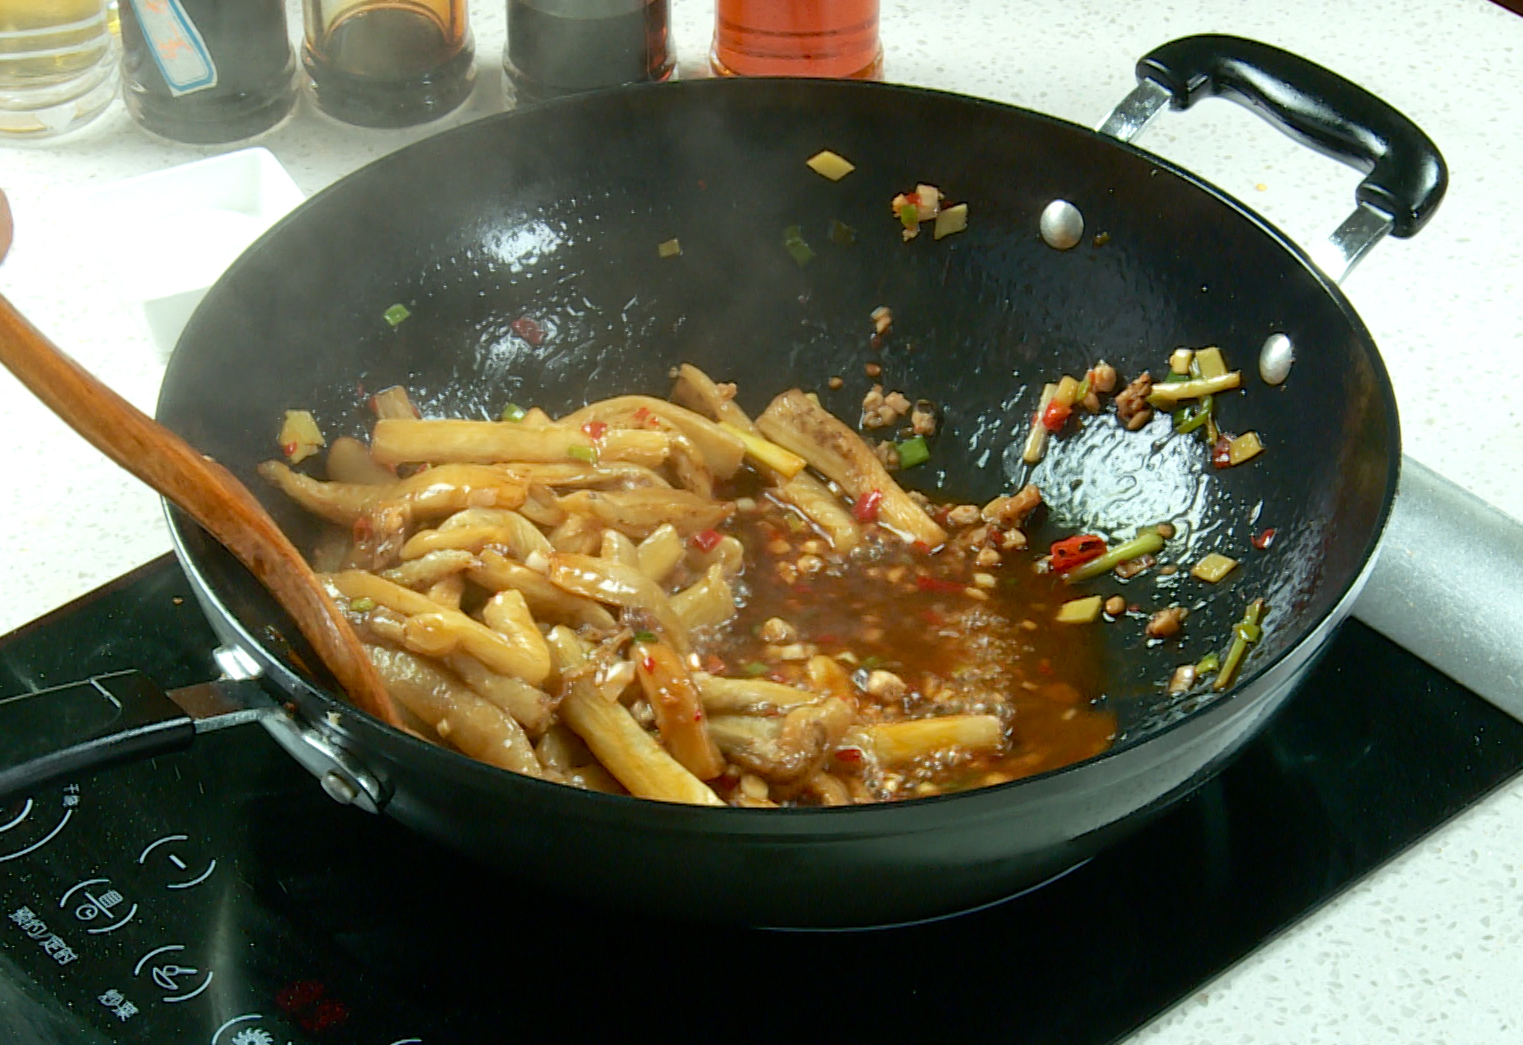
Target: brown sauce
962, 638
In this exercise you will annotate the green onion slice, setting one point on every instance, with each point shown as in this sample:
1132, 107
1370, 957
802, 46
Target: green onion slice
913, 452
396, 313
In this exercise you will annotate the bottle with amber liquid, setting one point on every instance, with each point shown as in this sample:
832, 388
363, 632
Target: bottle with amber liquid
388, 63
830, 38
206, 71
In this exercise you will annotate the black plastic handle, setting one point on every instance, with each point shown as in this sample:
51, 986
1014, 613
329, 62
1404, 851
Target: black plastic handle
1405, 175
54, 733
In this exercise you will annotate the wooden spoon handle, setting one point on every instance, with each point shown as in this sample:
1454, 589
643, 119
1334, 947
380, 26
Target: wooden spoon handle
209, 493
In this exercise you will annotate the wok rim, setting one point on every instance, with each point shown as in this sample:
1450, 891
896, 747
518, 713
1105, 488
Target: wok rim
1249, 687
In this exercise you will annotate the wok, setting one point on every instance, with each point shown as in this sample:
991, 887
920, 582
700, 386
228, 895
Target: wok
555, 213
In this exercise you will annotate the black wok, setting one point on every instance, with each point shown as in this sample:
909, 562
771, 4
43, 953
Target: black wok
556, 213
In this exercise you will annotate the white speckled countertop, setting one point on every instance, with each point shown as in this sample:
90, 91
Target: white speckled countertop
1428, 949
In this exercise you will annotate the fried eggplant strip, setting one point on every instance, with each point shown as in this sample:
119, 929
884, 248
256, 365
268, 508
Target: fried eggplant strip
429, 494
639, 513
634, 757
400, 441
798, 423
455, 712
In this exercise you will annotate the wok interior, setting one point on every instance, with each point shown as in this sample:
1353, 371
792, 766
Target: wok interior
556, 214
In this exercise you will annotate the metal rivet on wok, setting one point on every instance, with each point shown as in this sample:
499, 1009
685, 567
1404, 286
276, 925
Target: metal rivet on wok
1275, 359
1062, 224
339, 787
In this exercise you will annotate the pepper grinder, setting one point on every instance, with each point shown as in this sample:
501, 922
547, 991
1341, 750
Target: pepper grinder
558, 47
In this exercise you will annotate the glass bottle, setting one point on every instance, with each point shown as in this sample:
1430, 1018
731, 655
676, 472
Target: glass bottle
834, 38
207, 71
559, 47
57, 66
388, 63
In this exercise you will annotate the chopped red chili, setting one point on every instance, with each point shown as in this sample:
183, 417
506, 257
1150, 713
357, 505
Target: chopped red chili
1221, 453
529, 330
849, 754
648, 664
707, 540
714, 665
921, 547
936, 584
595, 429
1075, 551
643, 416
1055, 415
289, 449
866, 508
1263, 540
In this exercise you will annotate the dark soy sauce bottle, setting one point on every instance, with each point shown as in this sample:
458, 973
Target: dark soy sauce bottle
206, 71
558, 47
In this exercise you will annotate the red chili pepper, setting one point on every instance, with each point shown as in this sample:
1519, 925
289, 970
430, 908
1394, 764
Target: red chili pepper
1055, 415
362, 528
1264, 540
643, 416
707, 540
713, 665
936, 584
326, 1015
849, 754
648, 664
1075, 551
300, 995
529, 330
1221, 453
595, 429
866, 508
912, 197
289, 449
698, 716
921, 547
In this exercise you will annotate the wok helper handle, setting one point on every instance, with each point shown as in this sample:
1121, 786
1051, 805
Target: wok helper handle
1447, 584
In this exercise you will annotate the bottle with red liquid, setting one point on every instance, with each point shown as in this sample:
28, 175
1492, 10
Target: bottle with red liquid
832, 38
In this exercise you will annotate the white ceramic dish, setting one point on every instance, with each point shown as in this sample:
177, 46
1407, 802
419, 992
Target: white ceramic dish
166, 236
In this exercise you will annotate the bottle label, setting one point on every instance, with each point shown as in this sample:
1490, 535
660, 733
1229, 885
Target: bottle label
176, 46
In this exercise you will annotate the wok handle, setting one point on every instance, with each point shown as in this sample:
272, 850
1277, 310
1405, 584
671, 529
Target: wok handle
120, 717
1405, 175
57, 732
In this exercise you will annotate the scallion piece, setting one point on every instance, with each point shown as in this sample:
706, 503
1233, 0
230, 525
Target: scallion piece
513, 412
583, 453
793, 240
872, 662
362, 605
1148, 542
645, 636
755, 668
668, 248
396, 313
1207, 664
913, 452
1185, 422
1245, 634
909, 216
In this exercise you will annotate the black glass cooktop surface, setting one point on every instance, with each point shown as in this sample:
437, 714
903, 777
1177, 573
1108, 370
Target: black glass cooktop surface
218, 897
